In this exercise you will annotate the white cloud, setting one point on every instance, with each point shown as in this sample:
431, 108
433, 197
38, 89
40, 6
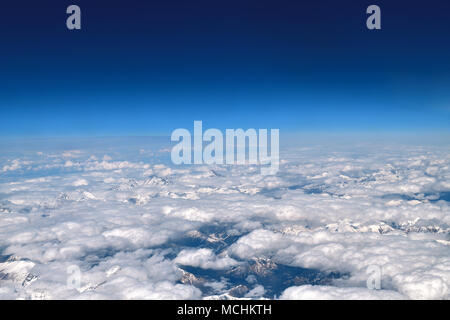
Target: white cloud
135, 221
80, 182
204, 258
309, 292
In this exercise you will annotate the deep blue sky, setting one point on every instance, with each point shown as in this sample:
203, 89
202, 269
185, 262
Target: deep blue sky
148, 67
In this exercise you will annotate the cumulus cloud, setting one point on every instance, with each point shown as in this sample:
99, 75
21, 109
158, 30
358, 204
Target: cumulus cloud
309, 292
80, 182
204, 258
140, 228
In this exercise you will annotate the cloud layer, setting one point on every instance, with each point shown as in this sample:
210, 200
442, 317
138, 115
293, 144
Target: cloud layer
139, 228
